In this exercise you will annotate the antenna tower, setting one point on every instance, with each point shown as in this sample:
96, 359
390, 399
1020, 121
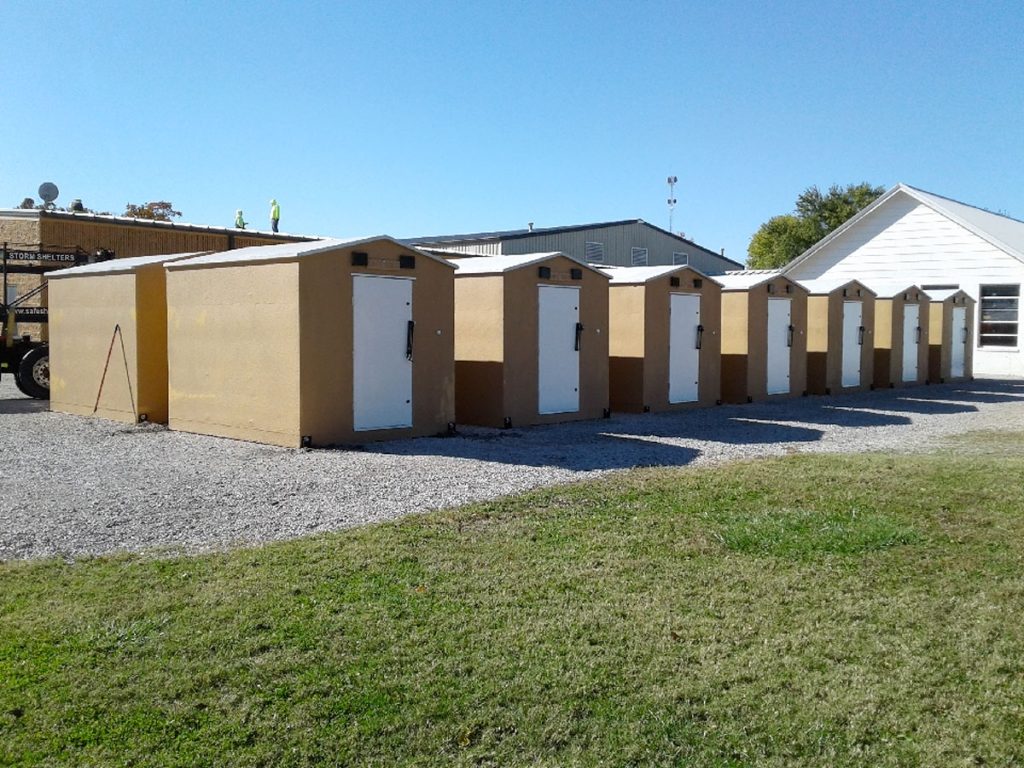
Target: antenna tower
671, 199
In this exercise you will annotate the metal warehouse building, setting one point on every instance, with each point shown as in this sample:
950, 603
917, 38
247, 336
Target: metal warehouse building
628, 243
64, 232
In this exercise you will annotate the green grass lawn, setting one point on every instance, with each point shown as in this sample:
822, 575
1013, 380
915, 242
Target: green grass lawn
811, 610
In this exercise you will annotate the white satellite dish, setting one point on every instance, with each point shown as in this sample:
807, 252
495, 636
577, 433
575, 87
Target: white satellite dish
48, 191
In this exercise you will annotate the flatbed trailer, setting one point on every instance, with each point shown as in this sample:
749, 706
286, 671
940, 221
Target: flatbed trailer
21, 356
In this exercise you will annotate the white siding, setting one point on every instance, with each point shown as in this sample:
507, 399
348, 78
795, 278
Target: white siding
905, 241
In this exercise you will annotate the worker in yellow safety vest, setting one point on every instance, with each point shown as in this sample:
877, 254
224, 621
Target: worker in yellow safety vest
239, 221
275, 214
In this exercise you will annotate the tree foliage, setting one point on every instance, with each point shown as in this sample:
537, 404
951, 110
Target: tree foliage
160, 210
782, 238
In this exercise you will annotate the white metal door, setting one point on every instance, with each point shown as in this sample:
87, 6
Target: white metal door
558, 342
957, 354
852, 317
683, 347
779, 345
911, 338
382, 340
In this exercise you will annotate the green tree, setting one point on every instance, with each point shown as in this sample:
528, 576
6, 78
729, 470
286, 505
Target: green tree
157, 211
782, 238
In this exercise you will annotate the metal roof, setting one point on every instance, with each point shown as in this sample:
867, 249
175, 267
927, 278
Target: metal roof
823, 285
21, 213
942, 294
288, 251
496, 265
115, 266
741, 279
640, 275
518, 234
889, 290
1004, 232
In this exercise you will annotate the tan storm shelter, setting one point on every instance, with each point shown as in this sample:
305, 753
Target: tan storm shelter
840, 333
664, 327
764, 336
108, 339
901, 335
950, 330
531, 340
321, 343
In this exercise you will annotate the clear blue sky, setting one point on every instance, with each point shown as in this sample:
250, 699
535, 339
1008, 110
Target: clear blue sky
412, 118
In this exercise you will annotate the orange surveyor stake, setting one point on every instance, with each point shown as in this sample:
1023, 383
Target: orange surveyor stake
99, 393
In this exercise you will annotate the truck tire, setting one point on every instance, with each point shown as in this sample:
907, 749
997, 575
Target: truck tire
33, 377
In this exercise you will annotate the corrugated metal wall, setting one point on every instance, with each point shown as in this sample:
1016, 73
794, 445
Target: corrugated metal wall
619, 242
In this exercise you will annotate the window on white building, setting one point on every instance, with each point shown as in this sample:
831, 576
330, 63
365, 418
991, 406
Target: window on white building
594, 252
999, 314
639, 257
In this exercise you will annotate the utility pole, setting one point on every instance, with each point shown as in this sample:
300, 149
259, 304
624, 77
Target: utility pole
671, 199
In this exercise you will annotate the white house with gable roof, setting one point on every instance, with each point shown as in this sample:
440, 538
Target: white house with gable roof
914, 237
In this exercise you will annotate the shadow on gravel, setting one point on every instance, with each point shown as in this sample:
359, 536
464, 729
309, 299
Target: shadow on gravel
985, 397
741, 429
923, 405
576, 447
23, 405
848, 416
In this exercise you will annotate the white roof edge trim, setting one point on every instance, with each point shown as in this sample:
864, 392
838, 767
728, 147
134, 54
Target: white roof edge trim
513, 258
916, 194
121, 266
258, 254
838, 231
616, 273
821, 286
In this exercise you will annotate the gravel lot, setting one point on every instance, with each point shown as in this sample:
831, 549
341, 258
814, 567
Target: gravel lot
73, 486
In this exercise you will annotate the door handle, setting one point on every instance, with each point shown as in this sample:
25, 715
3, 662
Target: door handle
410, 330
918, 339
700, 335
860, 335
579, 334
789, 336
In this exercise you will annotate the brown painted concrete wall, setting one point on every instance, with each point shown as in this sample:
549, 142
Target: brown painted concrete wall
745, 349
480, 349
628, 319
825, 339
640, 327
233, 351
735, 339
521, 342
709, 375
151, 319
498, 377
941, 335
889, 314
326, 327
84, 312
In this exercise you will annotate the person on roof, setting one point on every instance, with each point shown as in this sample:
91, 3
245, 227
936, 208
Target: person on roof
275, 214
239, 221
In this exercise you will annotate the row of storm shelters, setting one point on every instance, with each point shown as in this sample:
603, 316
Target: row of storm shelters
338, 342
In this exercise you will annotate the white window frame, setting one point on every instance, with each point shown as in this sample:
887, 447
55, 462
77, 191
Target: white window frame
638, 257
680, 259
589, 248
998, 304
